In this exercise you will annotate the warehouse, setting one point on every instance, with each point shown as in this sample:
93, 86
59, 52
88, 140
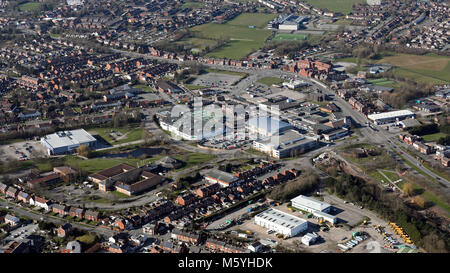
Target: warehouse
67, 141
310, 204
281, 222
389, 117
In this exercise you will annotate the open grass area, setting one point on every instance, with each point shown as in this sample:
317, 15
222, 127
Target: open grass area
289, 37
192, 159
132, 134
145, 88
240, 39
421, 68
192, 5
194, 87
344, 6
30, 6
97, 164
198, 44
433, 137
258, 20
270, 80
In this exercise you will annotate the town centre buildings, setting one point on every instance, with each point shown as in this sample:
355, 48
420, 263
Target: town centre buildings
67, 141
389, 117
281, 222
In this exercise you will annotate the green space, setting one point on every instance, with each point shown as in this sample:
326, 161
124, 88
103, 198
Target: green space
132, 134
192, 5
289, 37
193, 159
97, 164
270, 80
383, 82
198, 44
434, 137
258, 20
87, 239
344, 6
30, 6
231, 73
240, 40
144, 87
194, 87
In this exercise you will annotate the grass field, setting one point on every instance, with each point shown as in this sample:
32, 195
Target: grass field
194, 87
30, 6
194, 159
344, 6
192, 5
133, 134
433, 137
145, 88
198, 43
97, 164
422, 68
289, 37
270, 80
241, 40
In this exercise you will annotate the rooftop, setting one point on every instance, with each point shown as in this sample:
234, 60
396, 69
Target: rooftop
281, 218
68, 138
310, 202
391, 114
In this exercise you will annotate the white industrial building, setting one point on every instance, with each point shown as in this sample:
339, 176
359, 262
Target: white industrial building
285, 144
281, 222
64, 142
389, 117
309, 238
317, 208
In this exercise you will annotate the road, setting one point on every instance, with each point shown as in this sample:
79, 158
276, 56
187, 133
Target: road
35, 215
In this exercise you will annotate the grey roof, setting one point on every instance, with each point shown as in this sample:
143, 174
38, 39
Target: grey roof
68, 138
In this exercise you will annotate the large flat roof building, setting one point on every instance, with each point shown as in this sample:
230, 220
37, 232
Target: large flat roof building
388, 117
281, 222
309, 204
67, 141
223, 178
267, 126
285, 144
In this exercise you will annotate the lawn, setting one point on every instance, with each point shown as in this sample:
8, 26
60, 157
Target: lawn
192, 5
194, 87
192, 159
240, 39
30, 6
133, 134
422, 68
434, 137
270, 80
198, 43
145, 88
97, 164
344, 6
258, 20
289, 37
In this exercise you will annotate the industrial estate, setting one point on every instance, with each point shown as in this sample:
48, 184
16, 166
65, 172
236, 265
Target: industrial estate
224, 126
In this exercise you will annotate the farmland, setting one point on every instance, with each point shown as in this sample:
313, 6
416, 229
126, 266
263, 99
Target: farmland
240, 40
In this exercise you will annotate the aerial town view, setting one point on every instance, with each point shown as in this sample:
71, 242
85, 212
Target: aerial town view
225, 126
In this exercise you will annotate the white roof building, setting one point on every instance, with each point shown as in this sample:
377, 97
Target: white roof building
309, 204
67, 141
281, 222
392, 116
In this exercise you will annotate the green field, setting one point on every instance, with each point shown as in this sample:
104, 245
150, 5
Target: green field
192, 5
193, 159
344, 6
194, 87
289, 37
270, 80
144, 87
198, 43
433, 137
240, 39
97, 164
258, 20
133, 134
30, 6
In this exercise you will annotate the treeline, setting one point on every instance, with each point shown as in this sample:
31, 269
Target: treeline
432, 128
390, 207
302, 185
408, 91
289, 48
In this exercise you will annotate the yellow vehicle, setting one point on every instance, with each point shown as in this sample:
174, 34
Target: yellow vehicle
285, 237
279, 235
249, 232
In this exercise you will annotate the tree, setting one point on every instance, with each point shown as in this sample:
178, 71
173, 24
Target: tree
420, 201
408, 189
84, 150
